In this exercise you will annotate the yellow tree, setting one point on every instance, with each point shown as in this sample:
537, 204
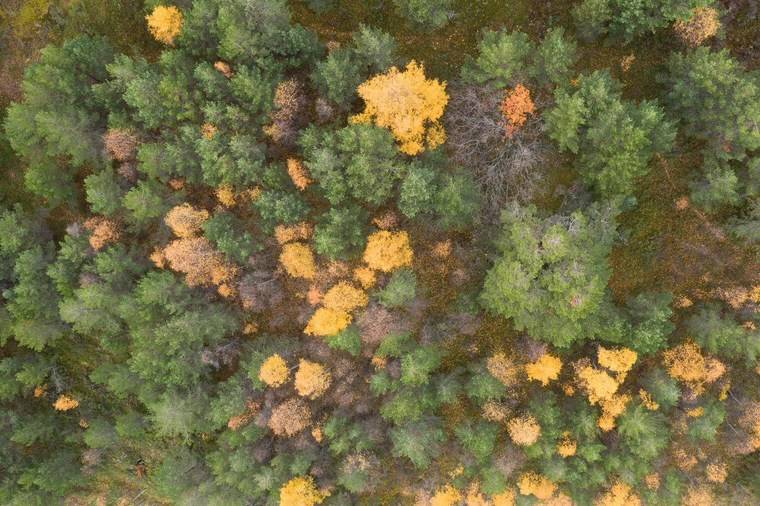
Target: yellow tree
301, 491
274, 371
165, 23
531, 483
344, 297
387, 251
407, 104
185, 220
524, 430
298, 260
544, 369
502, 368
327, 322
312, 379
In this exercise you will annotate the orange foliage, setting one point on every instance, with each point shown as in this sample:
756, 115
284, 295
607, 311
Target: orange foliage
545, 369
238, 421
102, 232
312, 379
515, 107
531, 483
406, 103
611, 409
524, 430
506, 498
298, 174
120, 144
274, 371
502, 368
495, 412
197, 259
208, 131
344, 297
298, 260
703, 24
716, 472
65, 403
185, 220
223, 68
387, 251
652, 481
287, 233
290, 417
301, 491
165, 23
327, 322
598, 384
647, 401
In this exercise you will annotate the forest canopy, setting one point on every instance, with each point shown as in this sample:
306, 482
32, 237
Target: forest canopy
260, 252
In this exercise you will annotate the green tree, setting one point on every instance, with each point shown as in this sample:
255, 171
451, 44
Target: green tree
551, 273
426, 14
340, 233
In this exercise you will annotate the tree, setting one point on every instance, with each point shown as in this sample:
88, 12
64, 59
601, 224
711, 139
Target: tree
718, 333
274, 371
60, 118
301, 491
327, 322
311, 380
545, 369
420, 442
290, 417
298, 260
387, 251
426, 14
524, 430
344, 296
340, 233
400, 290
408, 104
557, 292
614, 140
508, 58
716, 99
703, 24
165, 23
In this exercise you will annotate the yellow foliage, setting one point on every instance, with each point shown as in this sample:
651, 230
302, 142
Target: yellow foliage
502, 368
545, 369
365, 277
446, 496
652, 481
274, 371
611, 409
474, 497
703, 24
686, 363
699, 495
407, 104
185, 221
208, 131
344, 297
566, 447
312, 379
387, 251
165, 23
506, 498
301, 491
620, 494
531, 483
65, 403
647, 401
495, 412
225, 195
327, 322
620, 360
598, 384
524, 430
298, 260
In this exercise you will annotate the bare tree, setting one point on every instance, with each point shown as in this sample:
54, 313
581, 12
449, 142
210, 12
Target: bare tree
506, 167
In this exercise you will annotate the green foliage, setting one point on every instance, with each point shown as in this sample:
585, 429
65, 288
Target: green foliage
644, 433
629, 19
426, 14
417, 366
457, 202
556, 292
103, 192
347, 340
340, 233
718, 333
228, 235
614, 140
417, 190
718, 186
277, 207
419, 442
400, 290
479, 439
705, 427
507, 58
716, 100
648, 324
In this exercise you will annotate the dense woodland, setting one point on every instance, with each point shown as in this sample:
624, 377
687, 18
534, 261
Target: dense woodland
381, 252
